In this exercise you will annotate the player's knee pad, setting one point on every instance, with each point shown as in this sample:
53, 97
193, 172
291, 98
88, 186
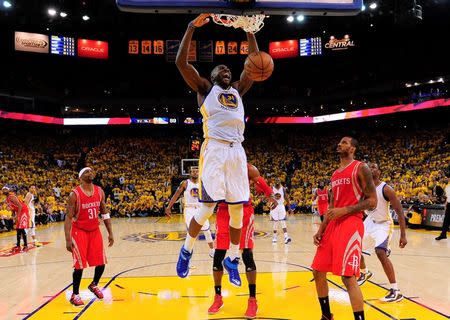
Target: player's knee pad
203, 214
283, 224
219, 255
236, 214
249, 262
208, 236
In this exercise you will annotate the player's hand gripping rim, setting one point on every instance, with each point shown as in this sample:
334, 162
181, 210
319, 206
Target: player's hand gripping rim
200, 21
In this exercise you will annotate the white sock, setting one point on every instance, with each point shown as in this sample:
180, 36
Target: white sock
394, 286
233, 252
189, 243
286, 235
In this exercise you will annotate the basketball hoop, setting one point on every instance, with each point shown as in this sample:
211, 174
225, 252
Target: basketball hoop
250, 24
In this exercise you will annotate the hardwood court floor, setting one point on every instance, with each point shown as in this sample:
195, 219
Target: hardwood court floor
140, 278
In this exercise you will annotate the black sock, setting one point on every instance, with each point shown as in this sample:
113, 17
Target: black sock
252, 290
77, 274
325, 306
218, 290
98, 273
24, 235
359, 315
18, 237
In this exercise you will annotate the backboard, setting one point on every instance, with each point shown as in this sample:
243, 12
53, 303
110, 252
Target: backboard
244, 7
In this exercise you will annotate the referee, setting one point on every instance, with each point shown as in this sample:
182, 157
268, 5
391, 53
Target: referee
446, 224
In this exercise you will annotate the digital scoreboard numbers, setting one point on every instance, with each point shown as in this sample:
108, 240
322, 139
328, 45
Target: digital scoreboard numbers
64, 46
311, 47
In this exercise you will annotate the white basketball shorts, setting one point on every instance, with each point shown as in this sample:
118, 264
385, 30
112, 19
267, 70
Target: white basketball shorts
223, 172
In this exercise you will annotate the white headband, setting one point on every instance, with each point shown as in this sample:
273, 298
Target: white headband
83, 171
6, 188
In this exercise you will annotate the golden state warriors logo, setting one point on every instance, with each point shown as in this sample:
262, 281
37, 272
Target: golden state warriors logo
277, 196
194, 192
173, 236
228, 100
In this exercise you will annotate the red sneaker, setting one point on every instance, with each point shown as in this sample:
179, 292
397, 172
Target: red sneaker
25, 249
252, 308
217, 304
76, 300
15, 249
96, 290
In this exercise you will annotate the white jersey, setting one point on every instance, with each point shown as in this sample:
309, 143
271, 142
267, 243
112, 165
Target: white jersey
381, 213
31, 204
279, 195
191, 194
223, 115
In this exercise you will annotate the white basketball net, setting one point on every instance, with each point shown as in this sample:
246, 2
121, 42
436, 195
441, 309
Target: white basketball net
250, 24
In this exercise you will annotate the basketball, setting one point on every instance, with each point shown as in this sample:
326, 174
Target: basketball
258, 66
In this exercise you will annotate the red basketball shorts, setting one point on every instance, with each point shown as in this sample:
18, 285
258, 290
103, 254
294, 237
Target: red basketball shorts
339, 251
223, 229
322, 208
87, 248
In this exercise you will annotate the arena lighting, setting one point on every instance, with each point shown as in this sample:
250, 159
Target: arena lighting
290, 19
51, 12
373, 5
300, 18
431, 81
86, 17
7, 4
408, 85
63, 14
441, 80
363, 8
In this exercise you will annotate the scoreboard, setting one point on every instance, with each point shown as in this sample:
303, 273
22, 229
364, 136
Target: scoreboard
311, 47
64, 46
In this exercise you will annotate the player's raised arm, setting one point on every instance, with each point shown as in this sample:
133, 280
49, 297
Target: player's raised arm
245, 83
187, 70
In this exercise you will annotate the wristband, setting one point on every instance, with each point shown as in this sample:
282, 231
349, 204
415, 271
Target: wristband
191, 25
105, 216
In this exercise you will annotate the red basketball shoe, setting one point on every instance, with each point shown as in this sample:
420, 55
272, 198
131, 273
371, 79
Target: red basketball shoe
96, 290
217, 304
76, 300
252, 308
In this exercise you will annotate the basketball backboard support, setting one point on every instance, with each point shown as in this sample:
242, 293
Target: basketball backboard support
241, 7
186, 165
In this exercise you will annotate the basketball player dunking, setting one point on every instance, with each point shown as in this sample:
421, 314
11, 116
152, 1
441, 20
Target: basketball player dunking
246, 244
379, 226
278, 213
223, 162
339, 238
82, 230
322, 195
20, 211
29, 202
189, 188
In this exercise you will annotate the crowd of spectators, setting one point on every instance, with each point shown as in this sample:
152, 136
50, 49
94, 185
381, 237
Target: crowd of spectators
136, 172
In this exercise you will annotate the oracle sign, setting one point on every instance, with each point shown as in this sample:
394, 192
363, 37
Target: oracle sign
31, 42
283, 49
92, 49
